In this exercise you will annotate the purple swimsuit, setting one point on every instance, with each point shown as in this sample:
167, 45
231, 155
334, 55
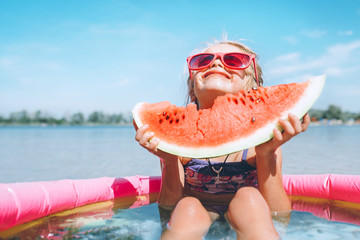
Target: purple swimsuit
200, 177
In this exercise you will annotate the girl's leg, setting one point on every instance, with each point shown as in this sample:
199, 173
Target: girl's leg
189, 220
249, 215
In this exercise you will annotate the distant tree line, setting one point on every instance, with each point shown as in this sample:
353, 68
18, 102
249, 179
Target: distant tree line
333, 112
40, 117
100, 118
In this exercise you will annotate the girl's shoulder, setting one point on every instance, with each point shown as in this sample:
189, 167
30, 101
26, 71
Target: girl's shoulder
184, 160
251, 156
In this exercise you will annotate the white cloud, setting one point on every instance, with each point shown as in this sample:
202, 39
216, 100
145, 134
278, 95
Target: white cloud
8, 61
288, 57
129, 30
346, 33
337, 60
297, 78
344, 48
334, 71
291, 39
160, 88
121, 83
48, 65
348, 91
315, 33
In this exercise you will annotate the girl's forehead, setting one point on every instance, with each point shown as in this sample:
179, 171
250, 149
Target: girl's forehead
224, 48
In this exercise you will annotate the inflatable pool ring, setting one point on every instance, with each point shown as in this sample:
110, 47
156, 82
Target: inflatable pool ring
24, 202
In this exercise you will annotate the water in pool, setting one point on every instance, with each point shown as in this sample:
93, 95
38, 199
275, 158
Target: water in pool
115, 220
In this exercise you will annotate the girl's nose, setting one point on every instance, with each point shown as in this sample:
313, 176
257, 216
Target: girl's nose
217, 63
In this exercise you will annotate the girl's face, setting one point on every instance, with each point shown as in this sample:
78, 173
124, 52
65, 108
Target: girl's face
218, 80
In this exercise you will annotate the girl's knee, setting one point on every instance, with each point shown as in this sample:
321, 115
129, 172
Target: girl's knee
248, 191
190, 203
248, 195
190, 209
249, 214
189, 218
249, 201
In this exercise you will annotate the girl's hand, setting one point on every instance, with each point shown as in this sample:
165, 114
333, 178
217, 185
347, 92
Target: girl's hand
148, 141
291, 128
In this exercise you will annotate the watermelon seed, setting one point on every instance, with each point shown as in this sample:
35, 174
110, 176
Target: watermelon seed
183, 117
164, 113
235, 101
171, 121
243, 101
177, 120
167, 117
160, 121
253, 119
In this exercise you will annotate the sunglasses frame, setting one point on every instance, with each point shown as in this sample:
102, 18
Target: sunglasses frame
221, 55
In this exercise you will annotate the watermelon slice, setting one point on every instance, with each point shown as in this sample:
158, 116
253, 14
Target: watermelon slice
235, 122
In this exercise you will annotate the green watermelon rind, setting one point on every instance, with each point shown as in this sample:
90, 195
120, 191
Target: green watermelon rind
263, 134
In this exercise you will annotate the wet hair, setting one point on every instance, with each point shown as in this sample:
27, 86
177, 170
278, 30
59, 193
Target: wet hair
248, 71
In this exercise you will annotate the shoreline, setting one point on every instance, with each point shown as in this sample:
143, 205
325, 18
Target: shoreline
313, 124
65, 125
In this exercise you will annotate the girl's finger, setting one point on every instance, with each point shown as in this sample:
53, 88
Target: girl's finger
306, 121
286, 125
140, 132
296, 124
145, 140
154, 142
277, 135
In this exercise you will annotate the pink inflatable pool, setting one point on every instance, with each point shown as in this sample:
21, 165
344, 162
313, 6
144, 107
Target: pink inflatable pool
24, 202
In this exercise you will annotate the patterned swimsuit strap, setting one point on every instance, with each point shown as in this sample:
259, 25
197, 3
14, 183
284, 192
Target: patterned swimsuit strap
212, 167
243, 158
244, 155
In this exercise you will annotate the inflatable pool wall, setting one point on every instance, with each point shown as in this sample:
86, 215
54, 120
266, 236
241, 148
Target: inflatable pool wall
24, 202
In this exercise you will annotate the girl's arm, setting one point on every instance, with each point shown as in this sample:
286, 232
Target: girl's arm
172, 172
270, 181
172, 183
269, 163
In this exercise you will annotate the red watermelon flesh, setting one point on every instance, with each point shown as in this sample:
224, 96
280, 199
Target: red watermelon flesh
234, 122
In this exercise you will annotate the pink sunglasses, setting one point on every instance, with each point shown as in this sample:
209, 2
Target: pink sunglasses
234, 60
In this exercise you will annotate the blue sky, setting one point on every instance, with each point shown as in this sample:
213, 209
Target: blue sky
68, 56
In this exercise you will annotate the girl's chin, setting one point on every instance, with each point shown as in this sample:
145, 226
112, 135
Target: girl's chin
211, 94
218, 86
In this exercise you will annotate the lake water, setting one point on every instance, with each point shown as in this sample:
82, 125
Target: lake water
53, 153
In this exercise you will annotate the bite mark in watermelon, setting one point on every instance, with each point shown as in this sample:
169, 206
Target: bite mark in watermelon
235, 121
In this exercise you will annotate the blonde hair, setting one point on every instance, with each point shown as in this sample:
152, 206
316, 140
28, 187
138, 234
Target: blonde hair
248, 71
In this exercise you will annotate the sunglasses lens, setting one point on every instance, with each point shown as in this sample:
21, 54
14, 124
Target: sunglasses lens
201, 60
237, 60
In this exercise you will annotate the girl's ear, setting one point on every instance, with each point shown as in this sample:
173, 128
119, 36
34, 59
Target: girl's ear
192, 95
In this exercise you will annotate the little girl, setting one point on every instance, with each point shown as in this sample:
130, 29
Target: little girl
243, 187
